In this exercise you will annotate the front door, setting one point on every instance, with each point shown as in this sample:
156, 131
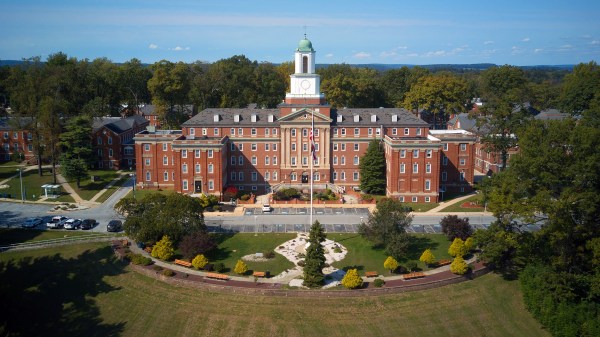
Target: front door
304, 178
198, 186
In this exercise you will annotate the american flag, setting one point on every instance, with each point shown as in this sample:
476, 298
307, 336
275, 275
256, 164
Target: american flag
312, 146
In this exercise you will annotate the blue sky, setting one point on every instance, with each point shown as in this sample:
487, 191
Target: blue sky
407, 32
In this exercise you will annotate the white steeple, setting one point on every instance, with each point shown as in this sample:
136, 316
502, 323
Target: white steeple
305, 83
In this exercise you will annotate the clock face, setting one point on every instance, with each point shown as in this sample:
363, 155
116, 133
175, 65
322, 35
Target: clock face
305, 84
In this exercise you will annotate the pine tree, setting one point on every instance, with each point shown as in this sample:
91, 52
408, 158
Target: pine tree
315, 257
240, 267
457, 248
427, 257
163, 249
459, 266
372, 169
352, 280
390, 264
199, 261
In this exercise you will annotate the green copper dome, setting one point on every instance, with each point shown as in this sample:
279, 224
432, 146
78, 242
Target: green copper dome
305, 45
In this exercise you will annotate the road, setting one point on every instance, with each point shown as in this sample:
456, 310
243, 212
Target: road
282, 220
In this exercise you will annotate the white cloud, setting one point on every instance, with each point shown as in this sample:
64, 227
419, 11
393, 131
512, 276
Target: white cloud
388, 53
330, 55
488, 42
435, 53
538, 50
566, 46
595, 42
362, 55
152, 46
178, 48
515, 50
526, 39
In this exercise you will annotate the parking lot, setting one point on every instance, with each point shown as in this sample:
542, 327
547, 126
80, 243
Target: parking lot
306, 210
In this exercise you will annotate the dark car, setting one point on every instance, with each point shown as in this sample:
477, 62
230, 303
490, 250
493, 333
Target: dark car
88, 223
114, 226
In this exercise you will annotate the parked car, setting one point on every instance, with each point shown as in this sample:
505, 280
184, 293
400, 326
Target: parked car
72, 224
31, 222
114, 226
57, 222
266, 208
88, 224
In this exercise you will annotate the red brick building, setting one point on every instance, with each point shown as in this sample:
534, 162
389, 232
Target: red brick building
113, 141
260, 149
14, 141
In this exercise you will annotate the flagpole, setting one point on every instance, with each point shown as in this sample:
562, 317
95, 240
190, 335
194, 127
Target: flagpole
312, 160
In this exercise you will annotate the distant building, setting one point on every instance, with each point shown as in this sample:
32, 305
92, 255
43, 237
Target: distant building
112, 138
15, 141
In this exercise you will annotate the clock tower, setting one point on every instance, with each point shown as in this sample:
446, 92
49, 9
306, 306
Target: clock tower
305, 83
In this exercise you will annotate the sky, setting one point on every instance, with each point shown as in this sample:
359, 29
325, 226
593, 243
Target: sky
525, 32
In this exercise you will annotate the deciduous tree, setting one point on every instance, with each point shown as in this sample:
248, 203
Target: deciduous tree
163, 249
390, 218
455, 227
240, 267
391, 264
457, 248
199, 242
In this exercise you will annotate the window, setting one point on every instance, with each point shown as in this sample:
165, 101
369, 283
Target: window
343, 131
356, 160
274, 147
183, 153
343, 176
415, 153
210, 168
146, 147
293, 176
356, 146
335, 175
370, 131
304, 132
378, 131
232, 131
444, 176
418, 131
6, 136
275, 175
427, 199
356, 131
98, 140
109, 141
427, 185
428, 153
335, 131
293, 161
7, 148
445, 146
402, 168
355, 176
267, 176
110, 152
197, 170
335, 146
406, 131
415, 199
444, 160
401, 199
267, 147
253, 160
147, 161
343, 160
274, 160
233, 176
241, 160
394, 132
274, 132
233, 160
267, 159
253, 132
463, 161
165, 160
30, 147
316, 176
240, 132
241, 147
210, 153
128, 151
253, 147
415, 168
266, 131
232, 147
335, 160
304, 147
204, 132
15, 135
148, 176
293, 132
166, 176
216, 131
462, 176
428, 168
254, 176
343, 147
185, 185
211, 185
293, 147
304, 161
402, 153
184, 168
197, 153
241, 176
463, 147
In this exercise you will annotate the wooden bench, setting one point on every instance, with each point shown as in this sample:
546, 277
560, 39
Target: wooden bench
217, 276
125, 243
148, 249
183, 263
371, 274
412, 276
259, 274
443, 262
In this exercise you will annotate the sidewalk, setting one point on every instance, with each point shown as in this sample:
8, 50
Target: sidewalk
445, 204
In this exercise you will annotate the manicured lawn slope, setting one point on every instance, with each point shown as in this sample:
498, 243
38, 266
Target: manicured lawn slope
95, 295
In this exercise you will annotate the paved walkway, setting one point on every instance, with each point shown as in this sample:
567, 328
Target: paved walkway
445, 204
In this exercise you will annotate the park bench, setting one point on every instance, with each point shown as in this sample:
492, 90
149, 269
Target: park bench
183, 263
125, 243
371, 274
443, 262
148, 249
259, 274
414, 275
217, 276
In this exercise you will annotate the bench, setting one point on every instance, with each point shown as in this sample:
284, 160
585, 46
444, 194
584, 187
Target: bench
443, 262
260, 274
125, 243
217, 276
148, 249
411, 276
371, 274
183, 263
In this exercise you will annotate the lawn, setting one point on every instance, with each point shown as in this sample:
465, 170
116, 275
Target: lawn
233, 247
362, 256
420, 206
19, 235
89, 188
457, 207
112, 189
32, 183
83, 290
141, 193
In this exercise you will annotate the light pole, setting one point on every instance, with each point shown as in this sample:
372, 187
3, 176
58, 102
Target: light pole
133, 176
255, 226
21, 180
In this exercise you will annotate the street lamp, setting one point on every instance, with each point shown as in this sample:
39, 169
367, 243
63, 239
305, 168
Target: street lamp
255, 226
133, 176
21, 179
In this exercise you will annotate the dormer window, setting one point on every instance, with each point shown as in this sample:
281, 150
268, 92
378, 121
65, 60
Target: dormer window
340, 118
356, 118
215, 117
373, 118
236, 118
394, 118
271, 118
253, 118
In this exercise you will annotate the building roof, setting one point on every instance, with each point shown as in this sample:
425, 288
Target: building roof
551, 114
463, 121
118, 125
305, 45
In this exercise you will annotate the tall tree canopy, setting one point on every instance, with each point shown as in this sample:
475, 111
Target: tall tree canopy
581, 88
372, 169
315, 257
389, 220
76, 144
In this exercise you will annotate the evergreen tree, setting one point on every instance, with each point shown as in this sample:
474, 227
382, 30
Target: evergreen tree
352, 280
76, 143
427, 257
459, 266
315, 257
199, 261
390, 264
240, 267
372, 169
163, 249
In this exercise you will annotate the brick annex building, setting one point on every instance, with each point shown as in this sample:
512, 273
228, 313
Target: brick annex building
261, 149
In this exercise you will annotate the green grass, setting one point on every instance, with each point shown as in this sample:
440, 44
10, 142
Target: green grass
20, 235
141, 193
421, 206
233, 247
362, 256
32, 183
88, 188
8, 169
112, 189
457, 207
83, 290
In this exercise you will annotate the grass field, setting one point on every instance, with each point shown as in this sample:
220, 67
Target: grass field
90, 188
458, 206
19, 235
82, 290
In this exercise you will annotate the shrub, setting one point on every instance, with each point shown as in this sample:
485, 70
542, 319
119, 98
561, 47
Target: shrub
196, 243
469, 244
457, 248
163, 249
352, 280
218, 267
411, 265
459, 266
209, 267
245, 197
217, 208
139, 259
168, 273
367, 197
269, 254
427, 257
378, 282
200, 261
286, 194
390, 264
157, 268
301, 263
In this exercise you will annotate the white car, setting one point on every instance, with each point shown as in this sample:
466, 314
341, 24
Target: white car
266, 208
31, 222
57, 222
72, 224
